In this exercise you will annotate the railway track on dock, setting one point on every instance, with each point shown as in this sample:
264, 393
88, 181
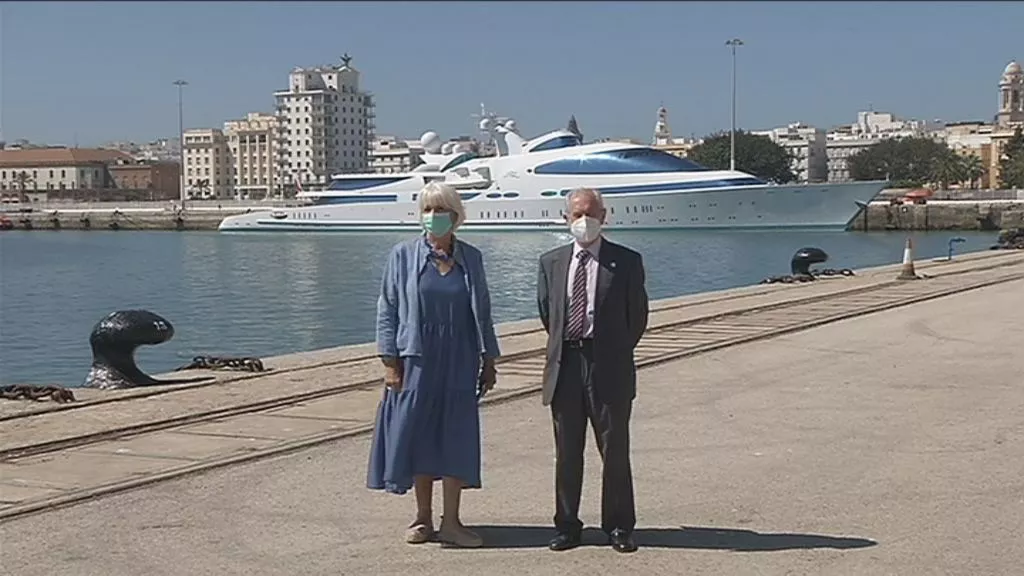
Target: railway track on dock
663, 342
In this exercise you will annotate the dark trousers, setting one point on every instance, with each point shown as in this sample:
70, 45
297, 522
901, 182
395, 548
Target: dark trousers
576, 401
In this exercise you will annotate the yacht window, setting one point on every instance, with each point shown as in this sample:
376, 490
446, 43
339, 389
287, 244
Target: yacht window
627, 161
556, 143
460, 159
361, 183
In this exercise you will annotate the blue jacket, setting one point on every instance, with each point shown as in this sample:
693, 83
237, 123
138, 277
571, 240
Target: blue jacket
398, 313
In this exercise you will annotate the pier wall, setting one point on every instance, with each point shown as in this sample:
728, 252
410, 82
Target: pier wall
880, 216
941, 215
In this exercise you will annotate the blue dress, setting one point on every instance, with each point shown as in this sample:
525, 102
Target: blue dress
432, 427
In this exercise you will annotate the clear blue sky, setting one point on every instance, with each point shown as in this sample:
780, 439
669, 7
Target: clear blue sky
94, 72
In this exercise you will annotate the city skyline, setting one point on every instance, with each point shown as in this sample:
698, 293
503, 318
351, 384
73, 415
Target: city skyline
145, 107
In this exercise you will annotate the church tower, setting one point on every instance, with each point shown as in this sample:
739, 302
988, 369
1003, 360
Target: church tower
1011, 96
662, 133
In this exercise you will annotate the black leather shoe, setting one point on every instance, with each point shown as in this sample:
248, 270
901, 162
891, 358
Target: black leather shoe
564, 541
622, 541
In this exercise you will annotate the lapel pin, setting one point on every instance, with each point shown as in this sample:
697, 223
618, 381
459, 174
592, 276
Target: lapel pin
612, 264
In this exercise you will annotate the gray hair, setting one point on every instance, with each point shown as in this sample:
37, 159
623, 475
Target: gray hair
440, 195
584, 191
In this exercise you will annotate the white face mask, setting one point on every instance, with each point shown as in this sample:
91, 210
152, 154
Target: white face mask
585, 229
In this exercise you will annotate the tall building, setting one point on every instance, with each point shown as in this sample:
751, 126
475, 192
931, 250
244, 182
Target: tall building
208, 164
807, 145
252, 151
663, 139
326, 125
1011, 96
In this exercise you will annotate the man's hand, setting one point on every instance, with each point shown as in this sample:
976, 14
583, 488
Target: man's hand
488, 378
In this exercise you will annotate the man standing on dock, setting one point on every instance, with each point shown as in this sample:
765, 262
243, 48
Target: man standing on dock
593, 304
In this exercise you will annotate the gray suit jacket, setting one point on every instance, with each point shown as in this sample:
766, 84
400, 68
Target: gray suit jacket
620, 317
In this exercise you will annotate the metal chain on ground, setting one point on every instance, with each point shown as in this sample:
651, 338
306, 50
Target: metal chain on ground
242, 364
55, 393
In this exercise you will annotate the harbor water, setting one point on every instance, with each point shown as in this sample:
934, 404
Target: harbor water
268, 294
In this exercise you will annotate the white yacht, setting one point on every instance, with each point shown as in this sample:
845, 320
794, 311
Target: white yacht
523, 187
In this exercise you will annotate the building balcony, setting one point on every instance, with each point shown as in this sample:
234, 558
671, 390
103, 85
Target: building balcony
370, 113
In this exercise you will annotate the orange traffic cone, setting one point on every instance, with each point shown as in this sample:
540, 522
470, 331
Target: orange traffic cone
908, 273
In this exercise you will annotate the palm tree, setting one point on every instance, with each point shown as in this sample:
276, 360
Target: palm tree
22, 178
974, 169
948, 169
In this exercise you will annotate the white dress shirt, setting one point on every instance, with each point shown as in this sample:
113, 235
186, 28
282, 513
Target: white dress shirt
592, 267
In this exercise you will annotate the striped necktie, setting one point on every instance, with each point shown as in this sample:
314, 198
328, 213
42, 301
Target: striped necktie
578, 303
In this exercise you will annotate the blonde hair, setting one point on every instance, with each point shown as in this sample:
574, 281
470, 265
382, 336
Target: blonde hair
444, 196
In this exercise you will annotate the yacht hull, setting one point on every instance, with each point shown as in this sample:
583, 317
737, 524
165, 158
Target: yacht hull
816, 206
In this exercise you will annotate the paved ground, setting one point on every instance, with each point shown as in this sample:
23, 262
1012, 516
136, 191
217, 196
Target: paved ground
888, 444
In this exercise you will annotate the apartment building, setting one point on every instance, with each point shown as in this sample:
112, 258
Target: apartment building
326, 125
208, 165
161, 150
807, 146
252, 156
390, 155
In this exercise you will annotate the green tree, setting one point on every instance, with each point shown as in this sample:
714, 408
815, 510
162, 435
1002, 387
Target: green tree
974, 169
22, 179
909, 162
756, 155
949, 168
1011, 162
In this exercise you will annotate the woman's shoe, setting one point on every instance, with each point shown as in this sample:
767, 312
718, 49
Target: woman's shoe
419, 533
459, 536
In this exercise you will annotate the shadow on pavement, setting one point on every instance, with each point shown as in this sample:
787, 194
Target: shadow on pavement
511, 536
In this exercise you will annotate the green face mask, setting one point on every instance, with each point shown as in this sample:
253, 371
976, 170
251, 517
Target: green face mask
437, 223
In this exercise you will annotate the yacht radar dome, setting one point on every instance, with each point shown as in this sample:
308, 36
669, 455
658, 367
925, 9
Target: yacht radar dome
447, 148
486, 124
431, 142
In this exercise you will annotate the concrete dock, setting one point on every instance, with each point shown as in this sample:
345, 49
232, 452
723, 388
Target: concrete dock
847, 426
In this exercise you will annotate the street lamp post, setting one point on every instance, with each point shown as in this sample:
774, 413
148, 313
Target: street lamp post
733, 44
181, 142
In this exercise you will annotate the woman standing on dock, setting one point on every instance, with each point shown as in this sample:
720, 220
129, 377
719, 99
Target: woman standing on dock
436, 338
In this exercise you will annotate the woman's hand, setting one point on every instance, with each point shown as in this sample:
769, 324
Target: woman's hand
488, 377
393, 375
